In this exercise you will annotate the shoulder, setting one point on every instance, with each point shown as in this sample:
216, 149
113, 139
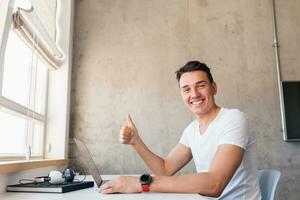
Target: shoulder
232, 115
233, 121
232, 112
234, 128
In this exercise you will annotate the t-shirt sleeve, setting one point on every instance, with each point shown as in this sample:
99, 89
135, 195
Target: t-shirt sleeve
235, 131
185, 138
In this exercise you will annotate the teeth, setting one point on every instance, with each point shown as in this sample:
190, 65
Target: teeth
197, 102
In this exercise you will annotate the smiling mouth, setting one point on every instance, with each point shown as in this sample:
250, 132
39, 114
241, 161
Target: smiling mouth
197, 102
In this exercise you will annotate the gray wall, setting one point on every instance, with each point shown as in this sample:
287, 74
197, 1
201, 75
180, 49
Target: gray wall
125, 56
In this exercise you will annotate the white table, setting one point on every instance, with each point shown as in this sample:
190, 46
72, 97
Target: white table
92, 194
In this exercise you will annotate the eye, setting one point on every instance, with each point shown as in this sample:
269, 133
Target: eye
186, 90
200, 86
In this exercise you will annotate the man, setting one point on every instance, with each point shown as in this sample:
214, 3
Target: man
218, 141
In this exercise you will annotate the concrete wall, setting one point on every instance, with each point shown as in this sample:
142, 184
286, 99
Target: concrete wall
125, 56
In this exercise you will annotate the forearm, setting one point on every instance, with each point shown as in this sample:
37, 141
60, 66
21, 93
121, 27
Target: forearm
202, 183
155, 163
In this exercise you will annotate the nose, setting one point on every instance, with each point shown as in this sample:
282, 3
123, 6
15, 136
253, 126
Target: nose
194, 92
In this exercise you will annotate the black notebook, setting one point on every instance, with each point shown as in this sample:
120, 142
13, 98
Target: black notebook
49, 188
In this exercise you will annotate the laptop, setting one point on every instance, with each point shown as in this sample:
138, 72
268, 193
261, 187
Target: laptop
85, 154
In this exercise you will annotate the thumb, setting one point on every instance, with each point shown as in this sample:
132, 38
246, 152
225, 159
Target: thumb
129, 121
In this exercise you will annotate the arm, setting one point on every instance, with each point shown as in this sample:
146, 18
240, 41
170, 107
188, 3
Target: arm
178, 157
212, 183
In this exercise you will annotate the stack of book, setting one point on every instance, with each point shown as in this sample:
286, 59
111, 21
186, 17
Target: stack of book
49, 188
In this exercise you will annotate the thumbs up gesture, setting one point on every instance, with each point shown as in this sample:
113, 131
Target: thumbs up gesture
128, 133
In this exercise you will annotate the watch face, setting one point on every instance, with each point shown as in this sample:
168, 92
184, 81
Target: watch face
145, 179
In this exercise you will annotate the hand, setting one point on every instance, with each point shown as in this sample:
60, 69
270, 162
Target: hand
124, 184
129, 133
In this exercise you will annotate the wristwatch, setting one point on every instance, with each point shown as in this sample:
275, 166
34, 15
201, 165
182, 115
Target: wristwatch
145, 180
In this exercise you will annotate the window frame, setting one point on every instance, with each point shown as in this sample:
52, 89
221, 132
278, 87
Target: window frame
6, 10
14, 108
56, 137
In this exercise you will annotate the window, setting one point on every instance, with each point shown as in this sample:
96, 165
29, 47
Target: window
35, 74
22, 99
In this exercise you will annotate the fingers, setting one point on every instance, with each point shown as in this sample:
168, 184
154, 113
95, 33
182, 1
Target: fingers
123, 184
125, 135
128, 132
107, 191
106, 188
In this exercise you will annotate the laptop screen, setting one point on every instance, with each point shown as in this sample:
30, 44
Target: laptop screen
89, 162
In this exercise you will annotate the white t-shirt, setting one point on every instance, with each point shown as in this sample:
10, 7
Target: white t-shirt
229, 127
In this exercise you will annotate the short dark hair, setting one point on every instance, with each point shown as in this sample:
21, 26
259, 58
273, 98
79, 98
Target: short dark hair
194, 66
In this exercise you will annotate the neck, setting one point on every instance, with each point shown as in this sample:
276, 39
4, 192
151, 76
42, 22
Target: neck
205, 119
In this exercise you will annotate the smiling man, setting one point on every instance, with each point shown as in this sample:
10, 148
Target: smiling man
223, 151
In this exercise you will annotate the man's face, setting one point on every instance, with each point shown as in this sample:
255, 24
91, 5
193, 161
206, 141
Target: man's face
197, 92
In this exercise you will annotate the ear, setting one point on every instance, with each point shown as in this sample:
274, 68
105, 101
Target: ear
215, 88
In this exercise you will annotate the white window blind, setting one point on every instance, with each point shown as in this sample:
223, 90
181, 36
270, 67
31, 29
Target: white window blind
37, 27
